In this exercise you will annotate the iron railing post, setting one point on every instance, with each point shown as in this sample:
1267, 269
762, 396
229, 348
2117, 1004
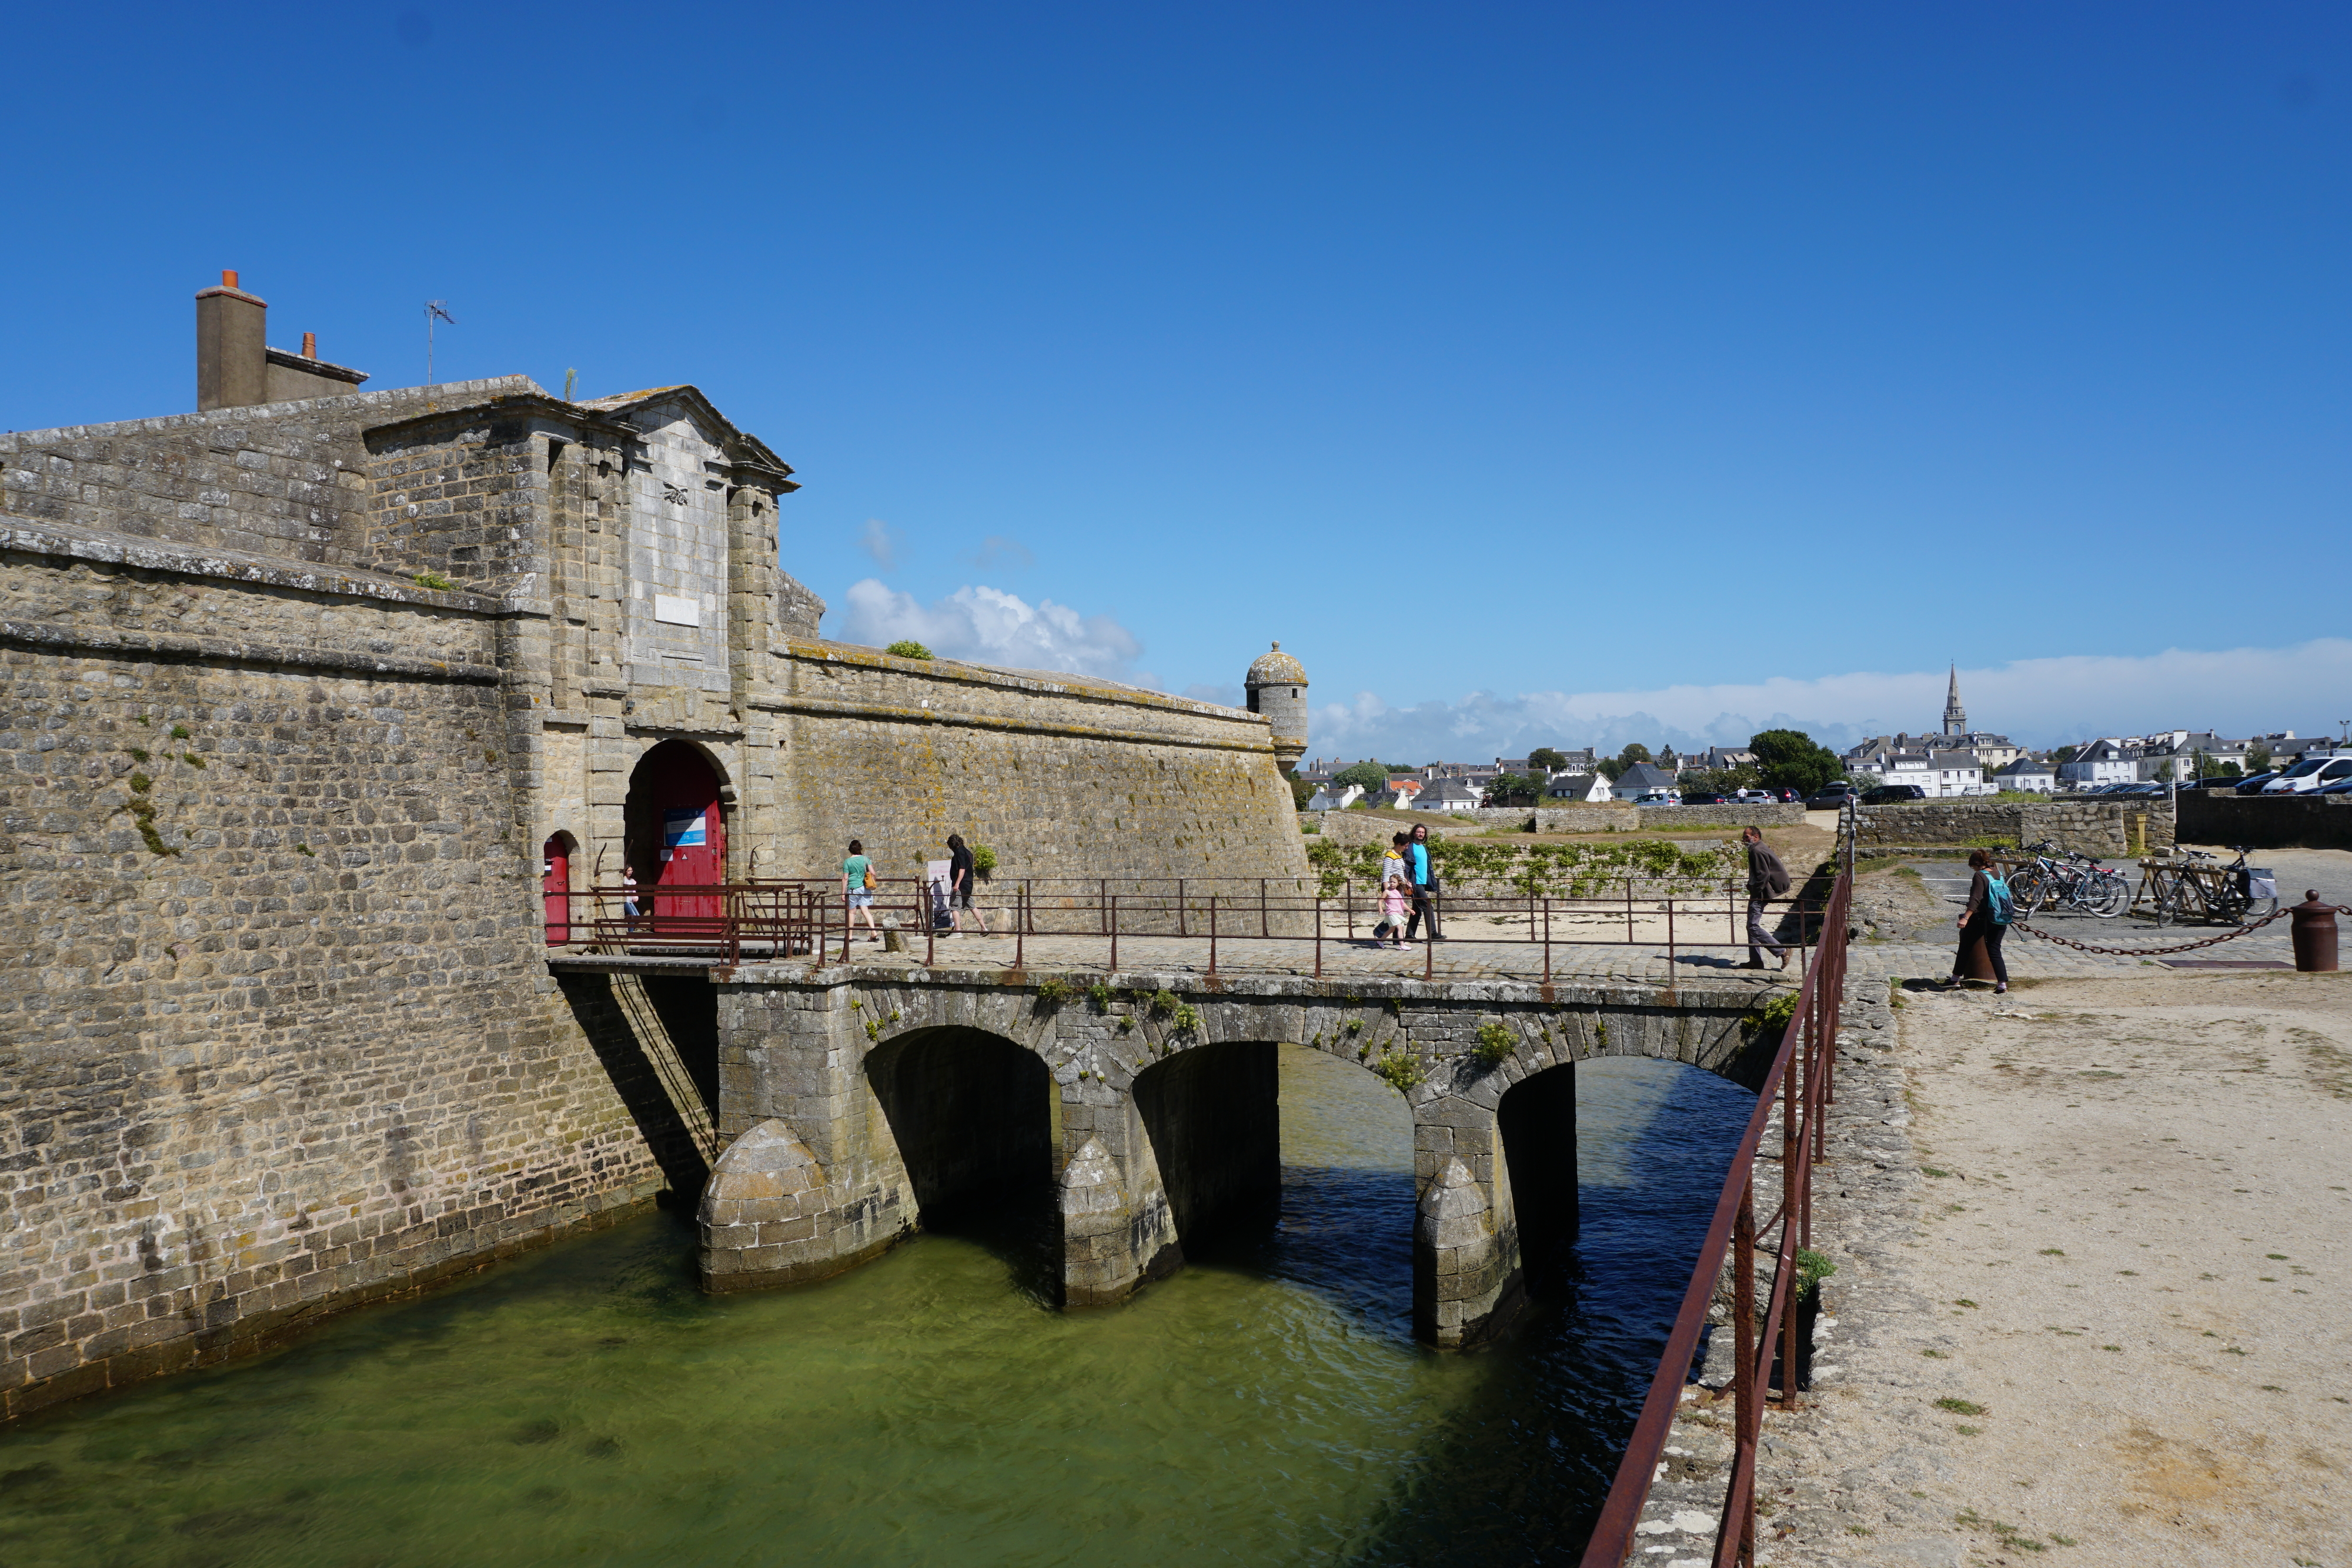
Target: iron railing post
1319, 935
1114, 934
1748, 1419
1213, 933
1021, 926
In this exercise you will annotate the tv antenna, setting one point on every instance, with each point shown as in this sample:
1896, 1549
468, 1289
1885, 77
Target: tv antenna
434, 308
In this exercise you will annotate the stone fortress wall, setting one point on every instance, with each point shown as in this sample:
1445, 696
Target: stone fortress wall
280, 1034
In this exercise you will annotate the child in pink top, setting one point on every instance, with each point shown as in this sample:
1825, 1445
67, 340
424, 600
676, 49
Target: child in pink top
1396, 899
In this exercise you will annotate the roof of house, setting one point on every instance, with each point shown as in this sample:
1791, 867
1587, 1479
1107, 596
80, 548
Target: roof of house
1645, 776
1572, 784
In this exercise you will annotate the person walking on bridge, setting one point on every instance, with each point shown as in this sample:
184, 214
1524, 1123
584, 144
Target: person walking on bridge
857, 883
1768, 879
1424, 884
962, 868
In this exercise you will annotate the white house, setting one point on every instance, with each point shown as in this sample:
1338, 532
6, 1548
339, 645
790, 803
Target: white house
1641, 780
2101, 762
2028, 775
1449, 795
1334, 798
1588, 787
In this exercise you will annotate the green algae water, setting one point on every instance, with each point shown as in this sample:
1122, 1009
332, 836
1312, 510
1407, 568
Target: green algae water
588, 1404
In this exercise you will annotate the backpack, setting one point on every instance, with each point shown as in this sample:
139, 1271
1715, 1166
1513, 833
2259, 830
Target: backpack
1998, 903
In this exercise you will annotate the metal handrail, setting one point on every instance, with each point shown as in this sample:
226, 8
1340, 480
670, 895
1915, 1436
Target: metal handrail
805, 916
1800, 1085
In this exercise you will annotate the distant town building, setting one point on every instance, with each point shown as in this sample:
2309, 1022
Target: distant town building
2026, 774
1335, 796
2101, 762
1641, 779
1572, 786
1449, 795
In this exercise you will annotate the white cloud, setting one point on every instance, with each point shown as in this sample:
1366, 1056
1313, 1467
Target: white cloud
2041, 702
990, 626
880, 540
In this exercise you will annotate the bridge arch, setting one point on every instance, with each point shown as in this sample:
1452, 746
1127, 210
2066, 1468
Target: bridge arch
971, 1123
901, 1090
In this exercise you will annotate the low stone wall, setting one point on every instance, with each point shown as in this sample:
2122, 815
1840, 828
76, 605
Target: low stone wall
2266, 821
2094, 826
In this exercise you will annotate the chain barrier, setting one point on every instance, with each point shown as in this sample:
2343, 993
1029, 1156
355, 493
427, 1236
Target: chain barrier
2155, 952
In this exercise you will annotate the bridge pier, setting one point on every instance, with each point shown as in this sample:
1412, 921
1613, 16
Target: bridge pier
855, 1104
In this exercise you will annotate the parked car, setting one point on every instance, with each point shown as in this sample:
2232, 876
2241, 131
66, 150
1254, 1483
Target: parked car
1658, 798
1786, 796
1886, 794
2343, 787
2252, 784
2309, 774
1829, 798
1704, 798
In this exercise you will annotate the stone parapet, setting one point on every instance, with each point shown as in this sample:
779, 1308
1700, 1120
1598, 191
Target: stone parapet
2109, 827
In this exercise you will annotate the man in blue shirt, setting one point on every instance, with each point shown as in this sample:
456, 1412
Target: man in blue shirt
1425, 884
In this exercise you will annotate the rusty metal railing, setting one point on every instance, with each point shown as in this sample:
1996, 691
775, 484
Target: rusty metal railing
1797, 1090
1238, 917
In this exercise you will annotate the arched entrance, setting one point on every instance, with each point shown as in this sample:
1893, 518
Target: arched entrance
555, 887
676, 833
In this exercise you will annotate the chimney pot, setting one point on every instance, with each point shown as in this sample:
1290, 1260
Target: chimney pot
309, 345
228, 279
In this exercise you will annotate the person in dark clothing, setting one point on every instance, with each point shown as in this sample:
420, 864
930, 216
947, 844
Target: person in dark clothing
1985, 919
961, 871
1425, 884
1768, 879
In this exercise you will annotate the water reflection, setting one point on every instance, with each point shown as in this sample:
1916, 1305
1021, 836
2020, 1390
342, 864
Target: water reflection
1265, 1406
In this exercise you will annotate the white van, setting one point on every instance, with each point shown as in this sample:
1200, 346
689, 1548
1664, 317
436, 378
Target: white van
2310, 773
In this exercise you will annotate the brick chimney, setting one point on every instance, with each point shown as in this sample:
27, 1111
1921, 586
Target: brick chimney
232, 347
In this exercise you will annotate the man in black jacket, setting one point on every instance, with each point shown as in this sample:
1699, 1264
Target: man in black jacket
1768, 879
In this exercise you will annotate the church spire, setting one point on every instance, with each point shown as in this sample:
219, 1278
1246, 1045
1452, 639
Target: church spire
1955, 717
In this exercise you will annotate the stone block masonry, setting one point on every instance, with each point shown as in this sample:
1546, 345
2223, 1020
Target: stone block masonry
2094, 826
276, 1032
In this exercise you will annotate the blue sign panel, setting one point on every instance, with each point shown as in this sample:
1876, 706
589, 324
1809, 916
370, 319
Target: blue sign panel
682, 829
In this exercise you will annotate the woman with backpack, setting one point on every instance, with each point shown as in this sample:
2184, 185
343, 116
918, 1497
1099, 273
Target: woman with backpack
1985, 919
857, 883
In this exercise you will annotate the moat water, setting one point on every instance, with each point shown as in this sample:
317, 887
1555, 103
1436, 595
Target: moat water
586, 1404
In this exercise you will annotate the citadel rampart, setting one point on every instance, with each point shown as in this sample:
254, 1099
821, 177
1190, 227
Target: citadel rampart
316, 711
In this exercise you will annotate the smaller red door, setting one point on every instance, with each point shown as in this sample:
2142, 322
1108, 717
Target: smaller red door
555, 889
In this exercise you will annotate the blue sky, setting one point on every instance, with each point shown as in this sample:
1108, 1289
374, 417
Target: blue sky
1522, 368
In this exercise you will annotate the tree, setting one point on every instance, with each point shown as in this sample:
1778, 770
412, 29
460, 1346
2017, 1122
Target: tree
1615, 766
2063, 754
1791, 759
2258, 757
1301, 791
1545, 757
1516, 789
1369, 776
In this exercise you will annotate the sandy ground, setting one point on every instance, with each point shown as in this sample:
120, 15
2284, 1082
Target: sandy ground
2109, 1323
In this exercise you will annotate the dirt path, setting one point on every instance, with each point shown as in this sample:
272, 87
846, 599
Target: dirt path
2123, 1337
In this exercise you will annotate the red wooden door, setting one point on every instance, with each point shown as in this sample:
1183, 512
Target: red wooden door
683, 792
555, 888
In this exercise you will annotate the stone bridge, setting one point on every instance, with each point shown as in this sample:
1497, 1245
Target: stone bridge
852, 1103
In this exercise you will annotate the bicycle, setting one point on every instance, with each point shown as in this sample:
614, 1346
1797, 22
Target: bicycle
2078, 882
2235, 892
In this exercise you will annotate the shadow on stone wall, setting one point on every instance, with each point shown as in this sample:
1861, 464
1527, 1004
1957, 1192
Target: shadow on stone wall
651, 1038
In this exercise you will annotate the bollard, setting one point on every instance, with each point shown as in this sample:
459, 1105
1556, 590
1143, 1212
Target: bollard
2314, 933
1975, 963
